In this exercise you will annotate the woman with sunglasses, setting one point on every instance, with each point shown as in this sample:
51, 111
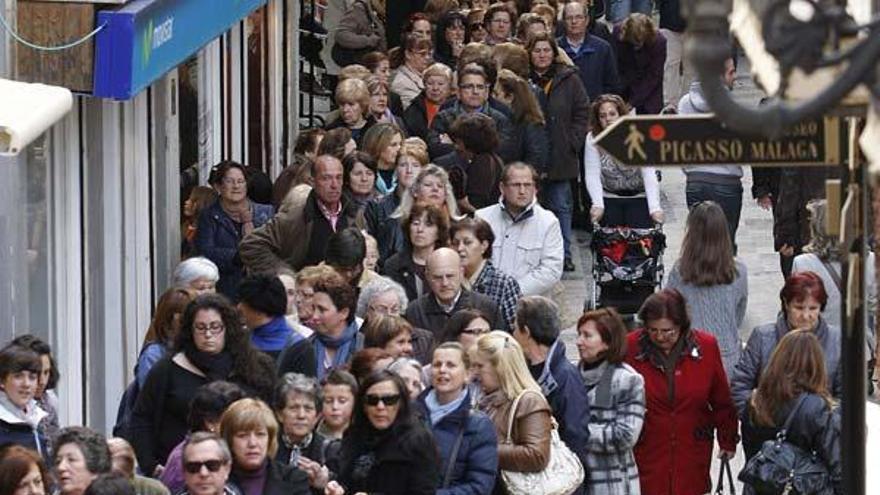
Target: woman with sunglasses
465, 439
211, 345
387, 449
686, 395
251, 431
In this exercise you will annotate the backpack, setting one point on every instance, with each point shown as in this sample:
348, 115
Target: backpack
781, 467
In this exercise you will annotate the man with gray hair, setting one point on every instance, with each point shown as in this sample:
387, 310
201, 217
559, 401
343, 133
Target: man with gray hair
207, 463
383, 297
537, 331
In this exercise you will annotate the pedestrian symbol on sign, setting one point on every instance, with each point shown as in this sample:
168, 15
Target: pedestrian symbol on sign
634, 143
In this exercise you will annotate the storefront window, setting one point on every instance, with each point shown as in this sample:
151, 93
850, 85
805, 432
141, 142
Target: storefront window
26, 261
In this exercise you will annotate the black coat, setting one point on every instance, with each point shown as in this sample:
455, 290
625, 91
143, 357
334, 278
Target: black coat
567, 114
815, 427
400, 462
424, 312
386, 230
298, 358
402, 269
281, 480
416, 117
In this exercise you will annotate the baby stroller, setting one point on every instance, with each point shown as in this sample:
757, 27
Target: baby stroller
627, 267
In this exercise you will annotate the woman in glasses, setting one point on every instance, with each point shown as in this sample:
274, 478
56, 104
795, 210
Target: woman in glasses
414, 57
499, 365
211, 345
476, 30
223, 224
686, 395
251, 431
499, 24
465, 439
387, 449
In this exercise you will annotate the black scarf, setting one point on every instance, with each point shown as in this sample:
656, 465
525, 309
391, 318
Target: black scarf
215, 366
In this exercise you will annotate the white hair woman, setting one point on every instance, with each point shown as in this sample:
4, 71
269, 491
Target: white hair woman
198, 274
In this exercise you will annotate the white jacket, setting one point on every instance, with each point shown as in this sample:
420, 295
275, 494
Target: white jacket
407, 84
529, 248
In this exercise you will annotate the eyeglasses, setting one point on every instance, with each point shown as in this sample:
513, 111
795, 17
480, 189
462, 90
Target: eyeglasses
473, 87
213, 466
387, 400
213, 328
476, 330
385, 310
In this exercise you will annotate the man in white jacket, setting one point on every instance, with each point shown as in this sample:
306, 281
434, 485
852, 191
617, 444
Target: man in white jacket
528, 239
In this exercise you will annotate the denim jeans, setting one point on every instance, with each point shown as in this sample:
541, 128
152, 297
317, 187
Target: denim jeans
556, 197
617, 10
728, 197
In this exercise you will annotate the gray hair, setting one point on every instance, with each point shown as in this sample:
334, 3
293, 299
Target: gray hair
402, 362
380, 285
541, 316
824, 246
296, 383
192, 269
208, 436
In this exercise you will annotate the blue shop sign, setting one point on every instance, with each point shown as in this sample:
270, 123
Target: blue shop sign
147, 38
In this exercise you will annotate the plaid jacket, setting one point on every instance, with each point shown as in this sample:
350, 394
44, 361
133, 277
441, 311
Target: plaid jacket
501, 288
617, 411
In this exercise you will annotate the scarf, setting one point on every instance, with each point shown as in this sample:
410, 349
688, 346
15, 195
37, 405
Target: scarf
32, 415
272, 336
439, 411
666, 362
383, 186
591, 373
344, 346
215, 366
545, 80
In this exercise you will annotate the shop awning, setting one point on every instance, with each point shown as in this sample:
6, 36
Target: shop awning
28, 110
144, 39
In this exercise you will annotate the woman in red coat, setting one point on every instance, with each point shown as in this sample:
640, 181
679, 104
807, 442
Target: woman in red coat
687, 398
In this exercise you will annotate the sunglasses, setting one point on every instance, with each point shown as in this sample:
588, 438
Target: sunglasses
213, 466
388, 400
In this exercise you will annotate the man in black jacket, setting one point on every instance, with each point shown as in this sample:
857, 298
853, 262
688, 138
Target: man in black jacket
432, 311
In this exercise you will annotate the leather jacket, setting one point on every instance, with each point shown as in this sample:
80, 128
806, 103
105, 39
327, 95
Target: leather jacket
529, 449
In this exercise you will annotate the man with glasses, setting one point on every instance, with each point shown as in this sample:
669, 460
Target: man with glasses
592, 55
528, 239
207, 463
384, 297
474, 89
448, 296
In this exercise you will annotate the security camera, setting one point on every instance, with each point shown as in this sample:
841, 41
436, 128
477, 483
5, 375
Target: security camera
27, 110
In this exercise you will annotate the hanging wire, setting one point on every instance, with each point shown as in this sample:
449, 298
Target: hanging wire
66, 46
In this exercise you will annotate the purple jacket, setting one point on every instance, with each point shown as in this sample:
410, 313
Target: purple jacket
641, 73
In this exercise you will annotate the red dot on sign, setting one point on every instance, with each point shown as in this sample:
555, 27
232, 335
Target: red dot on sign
657, 132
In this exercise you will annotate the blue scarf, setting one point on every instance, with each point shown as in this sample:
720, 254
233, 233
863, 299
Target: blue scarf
344, 346
272, 336
384, 188
439, 411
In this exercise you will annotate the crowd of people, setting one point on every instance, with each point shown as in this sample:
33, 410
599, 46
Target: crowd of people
381, 319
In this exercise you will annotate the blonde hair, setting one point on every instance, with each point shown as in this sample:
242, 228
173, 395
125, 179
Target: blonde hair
408, 200
250, 415
416, 148
354, 91
311, 275
508, 361
438, 69
354, 71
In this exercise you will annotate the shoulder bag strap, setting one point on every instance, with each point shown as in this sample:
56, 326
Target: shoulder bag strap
447, 478
834, 275
784, 431
725, 468
513, 412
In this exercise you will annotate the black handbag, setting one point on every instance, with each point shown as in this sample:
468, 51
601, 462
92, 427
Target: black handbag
783, 468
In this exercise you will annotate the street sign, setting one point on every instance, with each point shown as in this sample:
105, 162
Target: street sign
699, 139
